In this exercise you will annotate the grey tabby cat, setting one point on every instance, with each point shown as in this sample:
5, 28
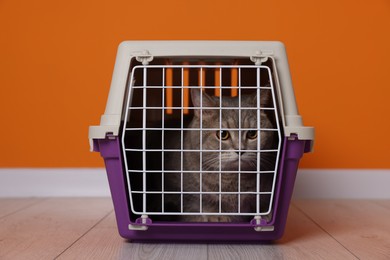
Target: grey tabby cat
230, 161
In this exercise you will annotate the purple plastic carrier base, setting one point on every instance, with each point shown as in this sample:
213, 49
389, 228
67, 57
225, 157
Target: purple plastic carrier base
292, 151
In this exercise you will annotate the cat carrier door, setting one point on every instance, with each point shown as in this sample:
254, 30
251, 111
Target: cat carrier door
201, 139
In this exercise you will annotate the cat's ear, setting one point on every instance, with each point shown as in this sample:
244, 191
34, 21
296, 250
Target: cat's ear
201, 99
265, 98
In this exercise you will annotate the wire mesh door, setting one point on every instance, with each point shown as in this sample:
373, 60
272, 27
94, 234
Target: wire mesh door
201, 142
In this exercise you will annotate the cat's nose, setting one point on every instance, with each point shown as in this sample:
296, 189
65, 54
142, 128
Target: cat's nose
240, 153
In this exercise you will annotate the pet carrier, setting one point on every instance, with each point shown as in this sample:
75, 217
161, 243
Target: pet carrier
201, 140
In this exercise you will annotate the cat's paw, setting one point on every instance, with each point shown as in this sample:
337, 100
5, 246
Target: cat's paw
219, 219
199, 218
268, 217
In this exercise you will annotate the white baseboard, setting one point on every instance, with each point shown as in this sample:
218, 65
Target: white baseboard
345, 184
54, 182
92, 182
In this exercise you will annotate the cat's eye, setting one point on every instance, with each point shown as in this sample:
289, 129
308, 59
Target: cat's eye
252, 134
223, 135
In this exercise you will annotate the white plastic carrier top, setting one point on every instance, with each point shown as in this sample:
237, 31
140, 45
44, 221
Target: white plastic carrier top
145, 51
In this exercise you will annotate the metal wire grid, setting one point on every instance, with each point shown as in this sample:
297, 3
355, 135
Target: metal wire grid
144, 150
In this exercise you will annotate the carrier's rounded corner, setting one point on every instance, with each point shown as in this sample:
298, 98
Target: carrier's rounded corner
124, 45
278, 234
280, 45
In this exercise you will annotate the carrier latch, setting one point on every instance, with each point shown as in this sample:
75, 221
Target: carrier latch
261, 224
143, 56
261, 56
141, 223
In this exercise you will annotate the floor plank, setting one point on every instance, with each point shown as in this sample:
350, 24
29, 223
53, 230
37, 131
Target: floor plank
46, 229
71, 228
363, 227
104, 242
101, 242
12, 205
164, 251
303, 239
383, 203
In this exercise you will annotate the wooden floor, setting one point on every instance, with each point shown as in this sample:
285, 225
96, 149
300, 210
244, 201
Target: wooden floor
84, 228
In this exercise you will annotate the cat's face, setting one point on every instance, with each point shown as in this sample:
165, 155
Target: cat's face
230, 130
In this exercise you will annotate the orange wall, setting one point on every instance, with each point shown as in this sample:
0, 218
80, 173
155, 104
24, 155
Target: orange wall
56, 60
